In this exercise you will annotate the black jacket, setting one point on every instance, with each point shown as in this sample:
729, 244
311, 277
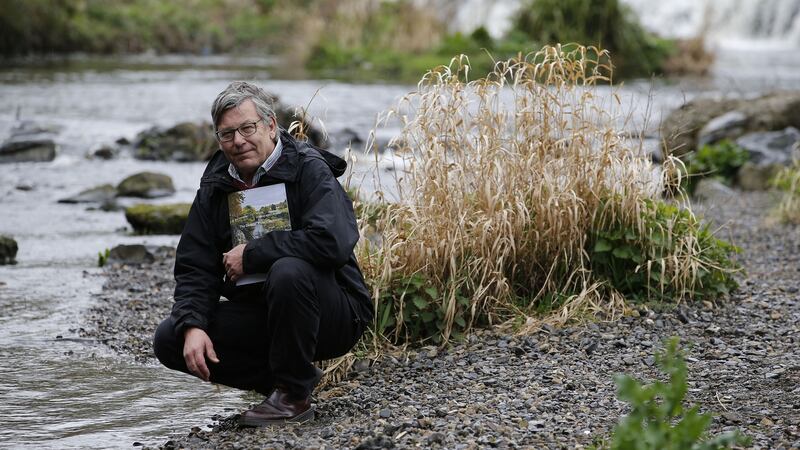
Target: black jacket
324, 233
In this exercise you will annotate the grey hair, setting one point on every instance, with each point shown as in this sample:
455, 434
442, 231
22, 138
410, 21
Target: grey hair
236, 93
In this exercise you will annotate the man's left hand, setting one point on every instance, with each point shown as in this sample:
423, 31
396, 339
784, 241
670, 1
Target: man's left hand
232, 260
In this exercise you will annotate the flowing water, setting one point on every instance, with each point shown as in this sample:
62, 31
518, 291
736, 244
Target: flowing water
60, 391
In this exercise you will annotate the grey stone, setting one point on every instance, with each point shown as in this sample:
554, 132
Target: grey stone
137, 254
146, 185
100, 194
385, 413
730, 124
712, 189
757, 177
8, 250
27, 150
771, 147
681, 128
105, 152
29, 142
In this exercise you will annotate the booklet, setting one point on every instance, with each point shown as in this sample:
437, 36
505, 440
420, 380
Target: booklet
254, 213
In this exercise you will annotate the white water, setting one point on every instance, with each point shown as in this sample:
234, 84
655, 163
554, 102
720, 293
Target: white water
729, 23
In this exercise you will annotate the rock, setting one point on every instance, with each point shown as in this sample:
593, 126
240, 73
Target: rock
146, 185
757, 177
137, 254
27, 150
346, 137
100, 194
720, 127
8, 250
158, 219
285, 115
771, 147
385, 413
183, 142
681, 129
712, 189
105, 152
29, 142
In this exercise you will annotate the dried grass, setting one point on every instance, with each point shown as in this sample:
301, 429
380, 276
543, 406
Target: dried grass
504, 178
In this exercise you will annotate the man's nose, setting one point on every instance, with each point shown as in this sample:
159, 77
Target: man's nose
238, 139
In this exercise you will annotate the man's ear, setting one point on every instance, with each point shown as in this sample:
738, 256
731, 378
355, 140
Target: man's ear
273, 128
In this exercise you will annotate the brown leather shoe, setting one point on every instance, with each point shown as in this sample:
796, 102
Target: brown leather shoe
278, 409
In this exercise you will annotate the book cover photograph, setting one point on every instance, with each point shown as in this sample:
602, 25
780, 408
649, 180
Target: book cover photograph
254, 213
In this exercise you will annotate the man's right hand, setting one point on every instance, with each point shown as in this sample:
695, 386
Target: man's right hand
196, 347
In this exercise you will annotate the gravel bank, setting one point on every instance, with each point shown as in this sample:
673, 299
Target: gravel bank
552, 389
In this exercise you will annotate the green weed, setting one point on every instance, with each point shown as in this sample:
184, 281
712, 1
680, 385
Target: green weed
658, 419
637, 258
788, 182
102, 257
720, 161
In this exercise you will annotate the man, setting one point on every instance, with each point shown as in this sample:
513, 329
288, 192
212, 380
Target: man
314, 304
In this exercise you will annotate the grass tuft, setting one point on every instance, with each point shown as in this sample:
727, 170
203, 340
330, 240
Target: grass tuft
507, 183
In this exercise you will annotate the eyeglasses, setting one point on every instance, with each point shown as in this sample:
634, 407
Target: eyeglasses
245, 129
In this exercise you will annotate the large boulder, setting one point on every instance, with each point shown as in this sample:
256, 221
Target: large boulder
771, 147
146, 185
101, 194
679, 130
158, 219
138, 254
727, 119
29, 142
184, 142
8, 250
757, 177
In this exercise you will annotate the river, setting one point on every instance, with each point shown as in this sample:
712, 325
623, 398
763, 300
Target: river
59, 391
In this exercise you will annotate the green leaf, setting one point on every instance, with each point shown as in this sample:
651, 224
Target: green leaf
601, 246
624, 252
428, 316
419, 302
432, 292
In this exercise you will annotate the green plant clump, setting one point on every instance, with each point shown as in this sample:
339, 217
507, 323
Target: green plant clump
720, 161
637, 262
658, 419
102, 257
421, 311
607, 24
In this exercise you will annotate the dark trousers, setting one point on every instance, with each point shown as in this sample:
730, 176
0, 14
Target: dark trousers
300, 315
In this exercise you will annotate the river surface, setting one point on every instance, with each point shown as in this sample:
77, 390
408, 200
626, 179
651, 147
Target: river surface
60, 391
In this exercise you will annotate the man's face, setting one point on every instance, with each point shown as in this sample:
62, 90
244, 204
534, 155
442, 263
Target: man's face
247, 153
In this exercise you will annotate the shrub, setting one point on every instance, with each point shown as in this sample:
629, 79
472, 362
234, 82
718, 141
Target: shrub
788, 182
721, 161
508, 180
638, 260
608, 24
658, 420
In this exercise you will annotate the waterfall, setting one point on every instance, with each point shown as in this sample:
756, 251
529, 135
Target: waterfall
771, 22
774, 22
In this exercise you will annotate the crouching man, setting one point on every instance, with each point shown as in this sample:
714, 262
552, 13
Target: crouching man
313, 305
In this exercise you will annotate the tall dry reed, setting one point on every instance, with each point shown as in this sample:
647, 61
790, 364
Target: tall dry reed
504, 180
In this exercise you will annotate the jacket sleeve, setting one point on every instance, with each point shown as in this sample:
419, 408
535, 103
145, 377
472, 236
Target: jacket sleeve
328, 231
198, 269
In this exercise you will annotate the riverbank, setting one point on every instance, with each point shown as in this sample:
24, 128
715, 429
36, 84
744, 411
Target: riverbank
552, 389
